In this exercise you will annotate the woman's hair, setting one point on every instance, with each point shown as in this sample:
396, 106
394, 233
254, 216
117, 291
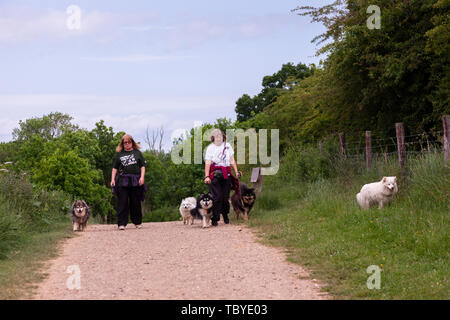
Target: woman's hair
120, 147
215, 132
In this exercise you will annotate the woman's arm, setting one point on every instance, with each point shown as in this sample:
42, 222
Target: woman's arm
142, 178
233, 164
207, 167
113, 177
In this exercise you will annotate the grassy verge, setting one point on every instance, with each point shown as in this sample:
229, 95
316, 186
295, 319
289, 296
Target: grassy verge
32, 223
323, 229
21, 271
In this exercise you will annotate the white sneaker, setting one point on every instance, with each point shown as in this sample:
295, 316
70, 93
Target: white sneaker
121, 227
139, 226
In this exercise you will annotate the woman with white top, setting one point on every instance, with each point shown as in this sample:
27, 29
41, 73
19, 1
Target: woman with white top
219, 157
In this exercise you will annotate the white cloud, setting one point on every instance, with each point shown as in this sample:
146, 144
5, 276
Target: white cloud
148, 28
135, 58
24, 24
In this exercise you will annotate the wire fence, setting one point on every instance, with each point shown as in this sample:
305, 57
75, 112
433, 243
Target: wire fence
368, 146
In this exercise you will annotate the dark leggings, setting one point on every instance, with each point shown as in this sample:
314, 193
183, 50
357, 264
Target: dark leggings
220, 189
129, 202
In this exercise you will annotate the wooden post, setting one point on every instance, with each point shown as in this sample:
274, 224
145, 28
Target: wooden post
342, 143
257, 179
368, 150
401, 147
320, 145
446, 125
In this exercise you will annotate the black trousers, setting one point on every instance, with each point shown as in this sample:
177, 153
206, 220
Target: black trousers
220, 190
129, 202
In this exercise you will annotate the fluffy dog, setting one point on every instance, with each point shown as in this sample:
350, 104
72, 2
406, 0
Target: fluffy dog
243, 202
80, 215
203, 210
185, 209
377, 193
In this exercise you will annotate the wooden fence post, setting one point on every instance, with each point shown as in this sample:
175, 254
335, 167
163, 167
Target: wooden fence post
342, 143
320, 146
401, 147
446, 125
257, 179
368, 150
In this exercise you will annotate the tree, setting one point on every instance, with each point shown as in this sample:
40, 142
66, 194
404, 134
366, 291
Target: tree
247, 107
438, 43
68, 172
107, 142
379, 77
155, 141
48, 127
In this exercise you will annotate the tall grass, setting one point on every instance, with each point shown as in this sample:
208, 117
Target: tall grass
317, 218
25, 209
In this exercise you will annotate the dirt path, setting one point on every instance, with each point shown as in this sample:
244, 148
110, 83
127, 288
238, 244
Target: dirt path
168, 260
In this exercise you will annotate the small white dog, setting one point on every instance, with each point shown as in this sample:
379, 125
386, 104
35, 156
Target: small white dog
185, 210
380, 193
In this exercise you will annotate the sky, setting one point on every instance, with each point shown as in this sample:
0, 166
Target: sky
142, 65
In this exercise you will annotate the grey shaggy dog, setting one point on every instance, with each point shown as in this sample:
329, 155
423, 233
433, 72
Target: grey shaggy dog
80, 215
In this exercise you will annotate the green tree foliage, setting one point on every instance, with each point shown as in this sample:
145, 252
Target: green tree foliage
106, 141
59, 155
379, 77
7, 151
370, 79
69, 172
29, 152
438, 43
247, 107
47, 127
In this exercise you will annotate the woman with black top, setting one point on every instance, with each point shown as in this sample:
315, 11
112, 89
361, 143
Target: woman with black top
129, 183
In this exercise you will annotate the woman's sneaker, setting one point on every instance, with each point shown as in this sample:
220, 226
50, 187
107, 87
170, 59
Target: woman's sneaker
139, 226
121, 227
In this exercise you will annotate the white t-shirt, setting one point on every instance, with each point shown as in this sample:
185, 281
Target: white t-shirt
217, 155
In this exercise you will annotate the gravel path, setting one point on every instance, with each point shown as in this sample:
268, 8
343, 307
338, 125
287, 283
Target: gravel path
168, 260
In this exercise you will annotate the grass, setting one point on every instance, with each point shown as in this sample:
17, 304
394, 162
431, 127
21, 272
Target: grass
162, 215
321, 225
32, 223
21, 271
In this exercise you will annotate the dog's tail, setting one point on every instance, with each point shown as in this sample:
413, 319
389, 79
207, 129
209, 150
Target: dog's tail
358, 199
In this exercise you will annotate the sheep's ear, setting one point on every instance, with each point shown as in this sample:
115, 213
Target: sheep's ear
384, 179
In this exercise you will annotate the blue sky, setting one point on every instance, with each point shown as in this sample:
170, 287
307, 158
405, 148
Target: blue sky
139, 64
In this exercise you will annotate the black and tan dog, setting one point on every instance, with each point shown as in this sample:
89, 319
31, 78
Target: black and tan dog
204, 209
243, 202
80, 215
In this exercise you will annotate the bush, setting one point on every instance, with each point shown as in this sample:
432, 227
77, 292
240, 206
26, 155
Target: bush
162, 214
306, 163
72, 174
25, 209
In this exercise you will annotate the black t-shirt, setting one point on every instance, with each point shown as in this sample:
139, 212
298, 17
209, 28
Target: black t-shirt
129, 162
